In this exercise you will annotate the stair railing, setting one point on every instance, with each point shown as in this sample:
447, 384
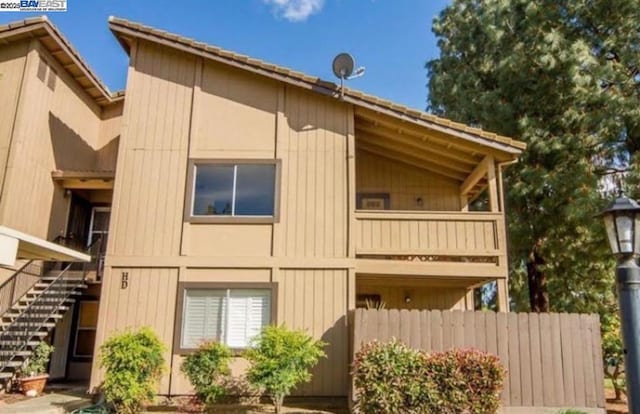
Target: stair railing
18, 284
23, 279
16, 336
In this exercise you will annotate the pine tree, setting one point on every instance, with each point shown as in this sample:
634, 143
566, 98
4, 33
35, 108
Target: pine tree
563, 77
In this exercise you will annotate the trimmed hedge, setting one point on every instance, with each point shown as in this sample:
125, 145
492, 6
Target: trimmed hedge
206, 368
133, 363
280, 360
392, 378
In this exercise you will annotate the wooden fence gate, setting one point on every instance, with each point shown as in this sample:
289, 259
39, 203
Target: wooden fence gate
552, 359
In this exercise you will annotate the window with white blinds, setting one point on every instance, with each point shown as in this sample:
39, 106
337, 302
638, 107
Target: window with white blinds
230, 316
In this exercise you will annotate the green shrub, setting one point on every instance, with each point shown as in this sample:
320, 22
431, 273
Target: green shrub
613, 352
444, 375
133, 364
391, 378
37, 363
280, 359
205, 369
472, 378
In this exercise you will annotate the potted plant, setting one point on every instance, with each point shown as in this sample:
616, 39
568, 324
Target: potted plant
34, 375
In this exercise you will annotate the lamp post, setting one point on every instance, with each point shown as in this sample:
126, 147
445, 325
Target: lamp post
622, 221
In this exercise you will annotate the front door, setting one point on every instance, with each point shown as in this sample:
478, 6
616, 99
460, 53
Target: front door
78, 225
97, 240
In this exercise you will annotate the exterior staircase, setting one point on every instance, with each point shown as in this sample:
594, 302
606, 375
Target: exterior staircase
30, 306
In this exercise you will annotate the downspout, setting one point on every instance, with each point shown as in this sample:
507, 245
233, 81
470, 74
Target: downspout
15, 121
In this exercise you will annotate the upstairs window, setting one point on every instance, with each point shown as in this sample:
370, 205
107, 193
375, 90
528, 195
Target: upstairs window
233, 191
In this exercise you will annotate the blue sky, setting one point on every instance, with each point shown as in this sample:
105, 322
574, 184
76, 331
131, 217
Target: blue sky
391, 38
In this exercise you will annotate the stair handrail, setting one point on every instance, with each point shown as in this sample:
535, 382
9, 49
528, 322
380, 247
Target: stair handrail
12, 280
19, 338
25, 312
12, 292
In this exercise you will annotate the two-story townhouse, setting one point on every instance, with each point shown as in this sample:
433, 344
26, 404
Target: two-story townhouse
59, 132
246, 193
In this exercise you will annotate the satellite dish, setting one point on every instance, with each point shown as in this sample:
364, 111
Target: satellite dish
343, 65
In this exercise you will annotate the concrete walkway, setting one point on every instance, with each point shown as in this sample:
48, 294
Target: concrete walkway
54, 403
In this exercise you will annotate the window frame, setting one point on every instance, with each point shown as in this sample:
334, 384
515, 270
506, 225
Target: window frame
183, 286
79, 328
189, 217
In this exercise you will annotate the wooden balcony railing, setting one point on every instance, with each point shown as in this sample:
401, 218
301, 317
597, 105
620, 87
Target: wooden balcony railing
448, 236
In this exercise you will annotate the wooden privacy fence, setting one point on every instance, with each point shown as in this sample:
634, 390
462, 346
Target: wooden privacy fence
552, 359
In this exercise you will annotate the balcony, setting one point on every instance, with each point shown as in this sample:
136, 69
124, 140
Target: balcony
431, 243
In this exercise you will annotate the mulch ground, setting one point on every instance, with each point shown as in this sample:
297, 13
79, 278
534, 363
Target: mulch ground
260, 409
613, 406
185, 406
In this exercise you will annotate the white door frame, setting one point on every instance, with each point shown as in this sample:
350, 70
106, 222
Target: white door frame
93, 213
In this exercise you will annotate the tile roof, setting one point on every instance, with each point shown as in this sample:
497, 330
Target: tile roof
122, 27
43, 29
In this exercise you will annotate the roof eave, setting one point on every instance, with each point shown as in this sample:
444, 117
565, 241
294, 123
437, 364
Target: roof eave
124, 31
14, 29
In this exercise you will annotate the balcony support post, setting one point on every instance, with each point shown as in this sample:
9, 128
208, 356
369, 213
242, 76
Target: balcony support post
494, 204
470, 300
503, 295
464, 202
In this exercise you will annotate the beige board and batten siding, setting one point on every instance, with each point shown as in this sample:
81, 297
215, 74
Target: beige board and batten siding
146, 218
179, 108
57, 127
314, 300
240, 116
234, 117
312, 143
234, 114
405, 184
149, 300
109, 140
13, 58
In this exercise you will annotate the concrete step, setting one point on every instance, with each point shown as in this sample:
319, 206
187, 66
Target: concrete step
6, 375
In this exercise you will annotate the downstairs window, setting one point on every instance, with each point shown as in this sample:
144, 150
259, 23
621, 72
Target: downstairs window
232, 316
